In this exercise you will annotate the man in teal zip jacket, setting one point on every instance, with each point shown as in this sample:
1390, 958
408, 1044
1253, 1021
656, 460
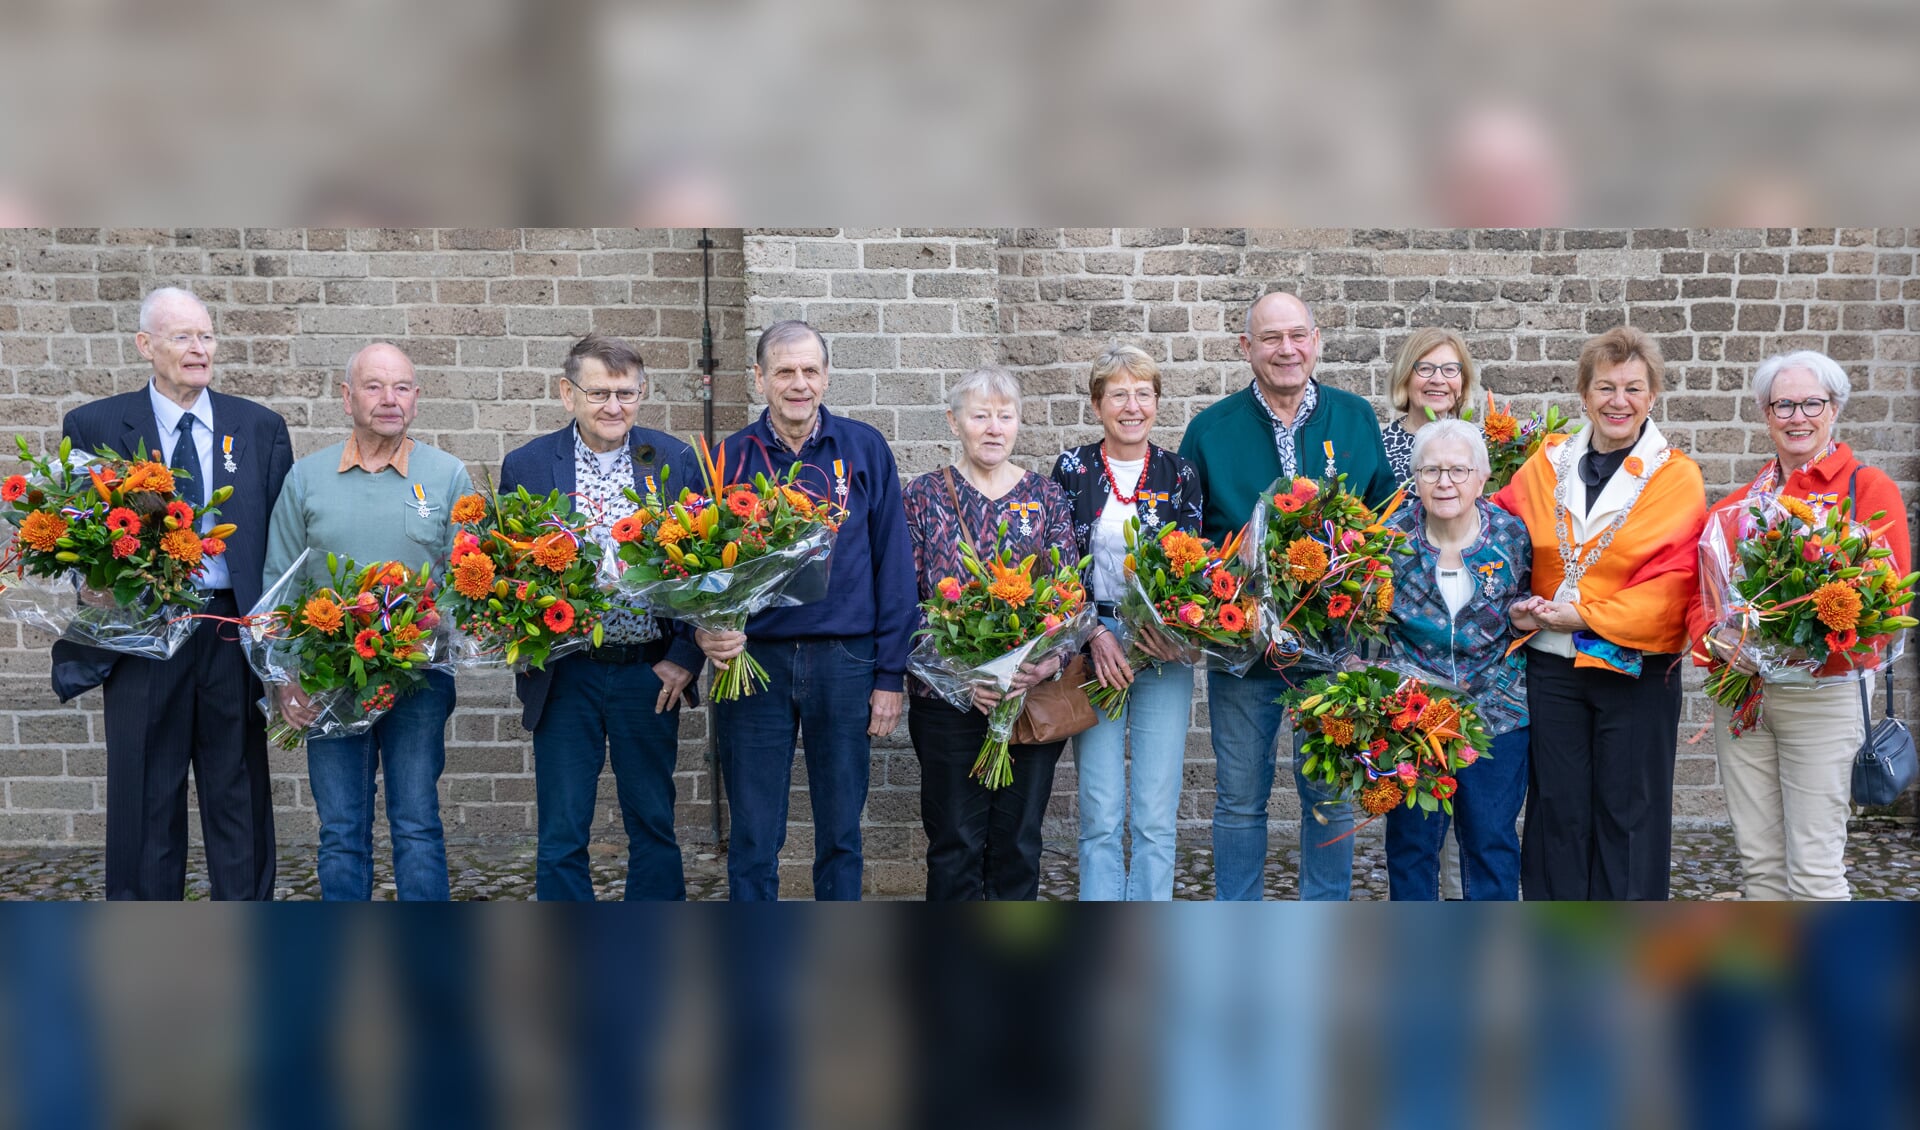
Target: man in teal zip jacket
1283, 423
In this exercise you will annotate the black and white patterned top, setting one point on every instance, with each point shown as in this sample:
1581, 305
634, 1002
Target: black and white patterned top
1284, 436
1399, 444
603, 499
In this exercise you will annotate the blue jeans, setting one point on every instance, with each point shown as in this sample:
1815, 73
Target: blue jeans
1484, 813
819, 690
593, 707
410, 741
1246, 725
1158, 714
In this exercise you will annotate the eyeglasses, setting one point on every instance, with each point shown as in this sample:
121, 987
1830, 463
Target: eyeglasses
1453, 474
181, 341
1811, 407
1142, 397
1427, 369
600, 395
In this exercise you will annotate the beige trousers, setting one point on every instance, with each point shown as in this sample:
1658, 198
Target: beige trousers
1789, 785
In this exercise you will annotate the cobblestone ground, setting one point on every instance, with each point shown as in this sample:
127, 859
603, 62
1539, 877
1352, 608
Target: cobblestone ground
1883, 862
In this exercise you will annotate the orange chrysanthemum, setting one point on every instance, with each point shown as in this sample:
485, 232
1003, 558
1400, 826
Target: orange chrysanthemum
182, 546
670, 532
149, 476
1306, 560
1502, 428
555, 551
797, 499
1382, 796
1440, 714
1383, 598
1012, 586
1798, 508
323, 615
1339, 730
1837, 605
1184, 551
407, 633
629, 528
469, 509
43, 531
473, 576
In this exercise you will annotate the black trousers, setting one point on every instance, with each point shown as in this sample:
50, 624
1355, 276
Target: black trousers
1600, 787
981, 843
162, 716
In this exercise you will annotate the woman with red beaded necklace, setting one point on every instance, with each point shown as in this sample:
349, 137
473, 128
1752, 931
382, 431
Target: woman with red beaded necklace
1123, 477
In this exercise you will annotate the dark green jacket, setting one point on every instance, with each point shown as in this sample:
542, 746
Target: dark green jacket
1231, 444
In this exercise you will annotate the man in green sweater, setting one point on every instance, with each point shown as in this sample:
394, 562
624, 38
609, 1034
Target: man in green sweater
379, 496
1283, 423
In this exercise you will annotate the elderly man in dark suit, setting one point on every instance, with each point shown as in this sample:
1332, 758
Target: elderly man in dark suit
625, 695
197, 708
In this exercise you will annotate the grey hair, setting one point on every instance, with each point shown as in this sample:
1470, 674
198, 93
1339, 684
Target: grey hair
990, 383
1311, 324
1452, 429
1824, 368
780, 333
164, 294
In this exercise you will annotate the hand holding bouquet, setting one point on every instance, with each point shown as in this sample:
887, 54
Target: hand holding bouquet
715, 557
112, 527
1789, 590
1386, 739
352, 645
523, 581
1189, 594
1511, 441
1324, 557
983, 629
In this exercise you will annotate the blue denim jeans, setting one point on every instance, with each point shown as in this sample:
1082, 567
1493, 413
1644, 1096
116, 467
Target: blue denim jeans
592, 708
1158, 714
1485, 811
410, 743
1246, 720
819, 690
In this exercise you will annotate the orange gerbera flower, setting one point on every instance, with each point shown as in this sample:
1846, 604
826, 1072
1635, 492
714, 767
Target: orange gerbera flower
670, 532
469, 509
367, 643
1184, 551
1339, 730
123, 521
629, 528
1339, 604
1798, 508
182, 546
149, 476
181, 513
1288, 503
15, 488
1224, 586
323, 615
743, 503
1013, 585
1501, 427
1232, 618
559, 616
1306, 560
43, 531
473, 576
1837, 605
555, 551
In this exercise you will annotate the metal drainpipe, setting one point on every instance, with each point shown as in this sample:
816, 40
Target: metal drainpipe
708, 365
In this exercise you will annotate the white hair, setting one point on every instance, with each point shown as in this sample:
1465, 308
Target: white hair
1824, 368
1460, 430
990, 383
155, 298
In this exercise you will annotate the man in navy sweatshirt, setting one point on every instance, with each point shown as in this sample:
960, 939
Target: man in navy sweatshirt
836, 666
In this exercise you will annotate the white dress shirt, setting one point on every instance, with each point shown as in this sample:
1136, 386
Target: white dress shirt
213, 572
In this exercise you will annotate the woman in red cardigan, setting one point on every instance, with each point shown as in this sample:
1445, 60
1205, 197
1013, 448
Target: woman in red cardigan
1789, 779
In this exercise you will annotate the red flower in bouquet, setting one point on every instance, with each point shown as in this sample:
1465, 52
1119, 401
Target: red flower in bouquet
123, 521
559, 616
180, 513
950, 589
1339, 604
1444, 787
1232, 618
211, 546
743, 504
1288, 503
14, 489
630, 528
126, 546
1224, 586
367, 643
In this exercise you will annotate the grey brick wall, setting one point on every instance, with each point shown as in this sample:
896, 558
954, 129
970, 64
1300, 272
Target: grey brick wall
487, 313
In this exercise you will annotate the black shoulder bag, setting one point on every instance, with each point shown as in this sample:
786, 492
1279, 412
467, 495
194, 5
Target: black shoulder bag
1886, 764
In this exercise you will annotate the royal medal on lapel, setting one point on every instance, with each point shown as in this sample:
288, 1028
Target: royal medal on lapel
1488, 573
1149, 517
1026, 510
1328, 448
420, 497
651, 489
840, 480
226, 448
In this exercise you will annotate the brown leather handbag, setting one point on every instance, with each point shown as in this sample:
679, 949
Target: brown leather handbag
1055, 710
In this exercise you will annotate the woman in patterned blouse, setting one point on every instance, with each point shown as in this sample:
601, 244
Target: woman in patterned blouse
981, 843
1434, 373
1120, 478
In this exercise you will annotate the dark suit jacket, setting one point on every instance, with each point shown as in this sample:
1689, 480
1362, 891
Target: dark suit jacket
262, 453
546, 464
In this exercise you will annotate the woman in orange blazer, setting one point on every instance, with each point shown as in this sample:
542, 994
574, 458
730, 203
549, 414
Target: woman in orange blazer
1615, 516
1789, 780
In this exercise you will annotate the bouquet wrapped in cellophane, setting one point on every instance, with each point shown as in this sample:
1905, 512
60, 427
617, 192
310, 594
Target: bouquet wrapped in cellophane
354, 643
1788, 589
1386, 739
981, 630
716, 556
524, 584
104, 551
1193, 597
1323, 560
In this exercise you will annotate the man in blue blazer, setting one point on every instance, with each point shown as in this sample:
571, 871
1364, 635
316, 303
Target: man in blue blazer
625, 695
197, 708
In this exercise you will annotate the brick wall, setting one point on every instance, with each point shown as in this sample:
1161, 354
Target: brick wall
487, 314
